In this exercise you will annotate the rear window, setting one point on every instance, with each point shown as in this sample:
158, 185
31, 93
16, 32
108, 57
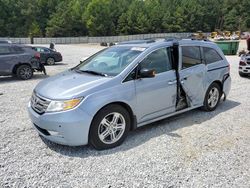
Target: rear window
191, 56
211, 55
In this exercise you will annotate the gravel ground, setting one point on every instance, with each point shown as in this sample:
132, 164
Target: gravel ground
195, 149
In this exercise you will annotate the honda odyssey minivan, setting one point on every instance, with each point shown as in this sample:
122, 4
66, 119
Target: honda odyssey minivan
127, 86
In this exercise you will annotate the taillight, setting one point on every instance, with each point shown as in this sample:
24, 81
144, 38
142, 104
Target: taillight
37, 55
242, 63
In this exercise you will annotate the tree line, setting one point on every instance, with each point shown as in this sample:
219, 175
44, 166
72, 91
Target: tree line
62, 18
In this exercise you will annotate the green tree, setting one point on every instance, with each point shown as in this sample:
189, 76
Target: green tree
174, 21
98, 18
155, 14
134, 20
20, 18
67, 20
35, 30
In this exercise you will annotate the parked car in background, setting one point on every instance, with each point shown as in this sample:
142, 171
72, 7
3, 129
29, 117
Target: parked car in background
244, 65
127, 86
244, 35
48, 56
19, 60
5, 41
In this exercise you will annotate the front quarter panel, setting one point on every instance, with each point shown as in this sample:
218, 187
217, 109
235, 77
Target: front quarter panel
123, 92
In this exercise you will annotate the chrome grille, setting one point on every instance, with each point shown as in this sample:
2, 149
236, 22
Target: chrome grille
39, 104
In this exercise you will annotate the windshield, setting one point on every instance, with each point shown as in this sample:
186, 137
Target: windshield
110, 62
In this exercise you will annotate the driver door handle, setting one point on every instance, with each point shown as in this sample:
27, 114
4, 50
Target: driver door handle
185, 78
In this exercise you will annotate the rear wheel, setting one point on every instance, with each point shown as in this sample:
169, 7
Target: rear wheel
109, 127
24, 72
50, 61
212, 97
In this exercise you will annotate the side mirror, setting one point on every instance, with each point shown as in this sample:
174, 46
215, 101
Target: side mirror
147, 73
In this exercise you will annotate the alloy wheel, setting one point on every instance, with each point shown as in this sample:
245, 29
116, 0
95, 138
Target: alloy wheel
26, 72
111, 128
213, 97
50, 61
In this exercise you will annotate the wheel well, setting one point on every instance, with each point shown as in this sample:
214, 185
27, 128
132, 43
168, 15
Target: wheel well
130, 111
220, 84
18, 65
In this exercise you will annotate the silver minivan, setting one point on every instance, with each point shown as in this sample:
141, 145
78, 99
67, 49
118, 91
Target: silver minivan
127, 86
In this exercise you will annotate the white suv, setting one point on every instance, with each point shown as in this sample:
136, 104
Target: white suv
244, 65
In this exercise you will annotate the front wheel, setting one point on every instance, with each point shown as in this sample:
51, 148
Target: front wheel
212, 97
109, 127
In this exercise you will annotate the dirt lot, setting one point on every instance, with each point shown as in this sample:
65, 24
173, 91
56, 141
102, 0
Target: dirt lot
195, 149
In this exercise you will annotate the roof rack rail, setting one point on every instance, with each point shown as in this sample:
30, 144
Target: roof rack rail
206, 40
143, 41
173, 39
176, 39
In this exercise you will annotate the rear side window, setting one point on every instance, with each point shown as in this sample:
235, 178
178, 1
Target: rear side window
39, 49
46, 50
191, 56
42, 49
4, 50
211, 55
17, 49
158, 60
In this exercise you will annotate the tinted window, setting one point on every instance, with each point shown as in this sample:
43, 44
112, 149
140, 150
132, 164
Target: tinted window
43, 50
39, 49
211, 55
131, 76
191, 56
46, 50
5, 42
158, 60
17, 49
4, 50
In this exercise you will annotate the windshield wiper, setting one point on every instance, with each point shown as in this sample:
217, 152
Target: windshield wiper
92, 72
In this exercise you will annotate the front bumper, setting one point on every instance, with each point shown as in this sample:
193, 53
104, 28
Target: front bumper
58, 59
244, 69
67, 128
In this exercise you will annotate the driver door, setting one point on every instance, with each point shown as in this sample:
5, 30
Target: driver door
156, 96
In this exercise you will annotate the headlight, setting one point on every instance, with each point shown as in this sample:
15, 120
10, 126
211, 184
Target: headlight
56, 106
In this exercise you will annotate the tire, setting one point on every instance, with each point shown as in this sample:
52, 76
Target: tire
103, 133
50, 61
212, 97
24, 72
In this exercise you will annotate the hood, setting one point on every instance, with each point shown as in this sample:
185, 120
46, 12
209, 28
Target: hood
68, 84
